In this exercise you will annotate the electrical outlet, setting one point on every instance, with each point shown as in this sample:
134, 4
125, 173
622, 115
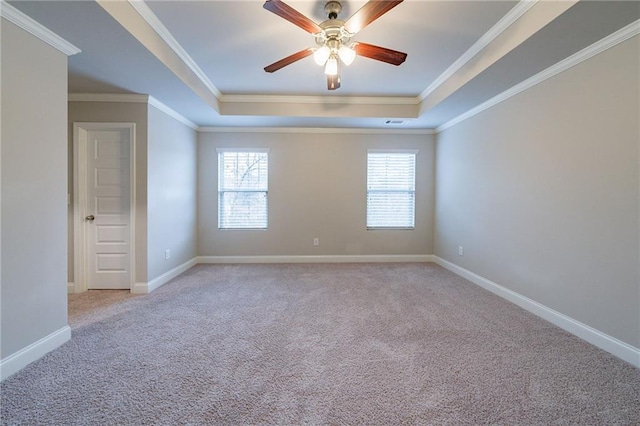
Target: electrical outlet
316, 241
460, 251
167, 254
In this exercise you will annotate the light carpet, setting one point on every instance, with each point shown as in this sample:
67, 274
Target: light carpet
296, 344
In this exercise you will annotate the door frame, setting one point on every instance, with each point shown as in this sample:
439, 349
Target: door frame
80, 175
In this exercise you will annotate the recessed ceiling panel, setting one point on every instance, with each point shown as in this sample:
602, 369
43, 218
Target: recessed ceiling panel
232, 41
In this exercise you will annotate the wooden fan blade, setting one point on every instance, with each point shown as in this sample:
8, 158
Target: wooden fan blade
369, 13
285, 11
380, 53
333, 82
288, 60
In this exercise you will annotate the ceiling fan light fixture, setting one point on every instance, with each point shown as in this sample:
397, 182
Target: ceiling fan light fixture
333, 37
321, 55
347, 54
331, 68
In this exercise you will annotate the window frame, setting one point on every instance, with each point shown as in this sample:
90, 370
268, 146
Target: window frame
220, 191
413, 152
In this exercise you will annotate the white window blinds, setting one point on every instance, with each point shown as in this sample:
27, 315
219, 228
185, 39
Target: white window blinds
242, 189
391, 191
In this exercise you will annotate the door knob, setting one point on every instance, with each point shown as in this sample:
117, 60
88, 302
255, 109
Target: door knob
90, 218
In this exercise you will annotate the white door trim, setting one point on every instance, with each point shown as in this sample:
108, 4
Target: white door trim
80, 198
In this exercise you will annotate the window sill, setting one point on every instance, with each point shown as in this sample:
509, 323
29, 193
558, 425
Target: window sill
390, 228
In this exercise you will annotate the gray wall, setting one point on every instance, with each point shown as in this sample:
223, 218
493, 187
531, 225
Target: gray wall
317, 188
121, 112
542, 191
171, 193
33, 189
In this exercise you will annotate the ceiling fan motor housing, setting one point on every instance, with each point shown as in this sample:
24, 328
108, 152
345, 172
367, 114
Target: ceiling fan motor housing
333, 31
333, 8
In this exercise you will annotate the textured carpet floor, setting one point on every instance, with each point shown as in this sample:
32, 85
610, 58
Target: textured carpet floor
318, 344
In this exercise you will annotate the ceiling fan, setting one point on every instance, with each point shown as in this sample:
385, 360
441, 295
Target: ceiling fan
333, 37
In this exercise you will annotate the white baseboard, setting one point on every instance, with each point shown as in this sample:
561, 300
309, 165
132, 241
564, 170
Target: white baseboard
71, 288
148, 287
317, 259
17, 361
140, 288
597, 338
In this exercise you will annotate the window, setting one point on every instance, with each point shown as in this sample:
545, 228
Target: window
242, 189
391, 189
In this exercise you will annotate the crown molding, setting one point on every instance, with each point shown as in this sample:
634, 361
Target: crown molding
323, 130
350, 100
147, 14
600, 46
36, 29
172, 113
131, 98
505, 22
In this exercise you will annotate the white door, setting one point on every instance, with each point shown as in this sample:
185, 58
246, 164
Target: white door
108, 208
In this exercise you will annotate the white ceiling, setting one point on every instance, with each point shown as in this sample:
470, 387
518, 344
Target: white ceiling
227, 44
